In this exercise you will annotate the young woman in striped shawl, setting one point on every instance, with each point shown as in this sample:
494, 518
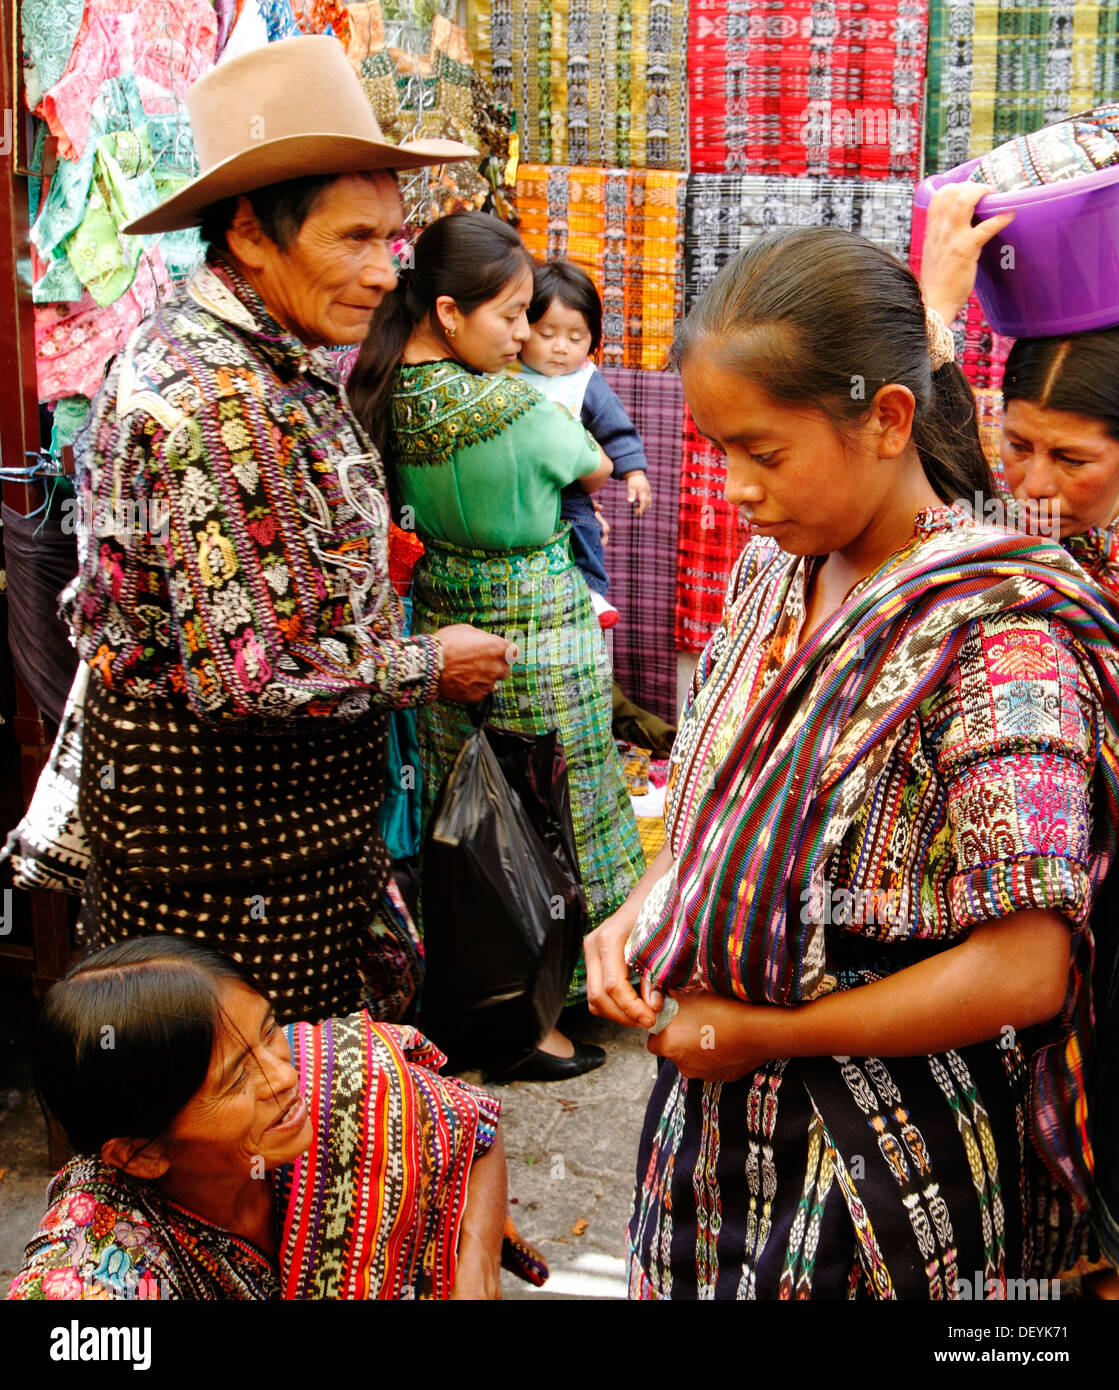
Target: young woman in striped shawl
892, 808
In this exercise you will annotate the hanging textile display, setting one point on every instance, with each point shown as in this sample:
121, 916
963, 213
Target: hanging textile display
625, 227
404, 24
807, 86
123, 143
641, 552
988, 415
165, 44
49, 28
597, 82
75, 342
728, 212
431, 95
710, 538
996, 71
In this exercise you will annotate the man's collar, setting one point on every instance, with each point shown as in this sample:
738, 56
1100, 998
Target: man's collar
223, 291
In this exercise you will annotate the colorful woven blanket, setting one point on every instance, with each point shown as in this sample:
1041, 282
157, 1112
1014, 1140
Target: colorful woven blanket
597, 82
996, 70
1068, 150
727, 212
808, 86
625, 227
373, 1209
640, 557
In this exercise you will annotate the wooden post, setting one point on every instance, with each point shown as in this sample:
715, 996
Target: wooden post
19, 437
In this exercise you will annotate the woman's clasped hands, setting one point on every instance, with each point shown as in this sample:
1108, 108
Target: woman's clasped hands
709, 1038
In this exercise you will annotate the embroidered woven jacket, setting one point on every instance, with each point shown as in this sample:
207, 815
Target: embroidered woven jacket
233, 524
943, 752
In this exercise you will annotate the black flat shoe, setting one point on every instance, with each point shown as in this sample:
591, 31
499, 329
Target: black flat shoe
543, 1066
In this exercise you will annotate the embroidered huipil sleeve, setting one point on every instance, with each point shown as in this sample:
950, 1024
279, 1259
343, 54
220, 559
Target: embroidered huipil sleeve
251, 573
1018, 756
1018, 742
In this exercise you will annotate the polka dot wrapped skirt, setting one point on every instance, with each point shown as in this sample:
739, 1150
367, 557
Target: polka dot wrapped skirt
260, 842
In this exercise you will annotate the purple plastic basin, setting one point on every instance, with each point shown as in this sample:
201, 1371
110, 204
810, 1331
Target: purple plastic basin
1055, 269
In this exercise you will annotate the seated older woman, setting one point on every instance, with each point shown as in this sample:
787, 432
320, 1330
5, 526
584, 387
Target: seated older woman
222, 1157
246, 648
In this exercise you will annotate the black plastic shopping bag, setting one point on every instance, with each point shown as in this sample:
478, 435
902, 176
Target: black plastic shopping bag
503, 906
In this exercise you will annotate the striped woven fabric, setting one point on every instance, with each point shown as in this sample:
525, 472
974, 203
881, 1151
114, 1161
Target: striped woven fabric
988, 413
807, 86
653, 835
598, 82
726, 212
641, 555
710, 539
850, 687
997, 70
625, 227
374, 1208
980, 351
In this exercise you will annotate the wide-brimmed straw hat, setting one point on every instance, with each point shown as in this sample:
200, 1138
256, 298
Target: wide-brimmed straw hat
281, 112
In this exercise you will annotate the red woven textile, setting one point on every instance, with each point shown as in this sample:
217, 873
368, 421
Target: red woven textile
828, 87
710, 538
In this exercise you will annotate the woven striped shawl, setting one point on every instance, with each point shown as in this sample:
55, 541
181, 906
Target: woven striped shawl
806, 757
812, 744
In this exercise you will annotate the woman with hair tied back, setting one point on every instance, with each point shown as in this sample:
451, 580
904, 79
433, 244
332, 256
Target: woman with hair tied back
477, 461
221, 1156
884, 841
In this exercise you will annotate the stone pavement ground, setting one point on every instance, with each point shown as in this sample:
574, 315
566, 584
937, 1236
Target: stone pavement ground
571, 1148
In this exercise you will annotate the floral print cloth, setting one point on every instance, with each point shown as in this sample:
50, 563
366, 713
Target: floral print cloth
167, 44
49, 28
107, 1236
74, 342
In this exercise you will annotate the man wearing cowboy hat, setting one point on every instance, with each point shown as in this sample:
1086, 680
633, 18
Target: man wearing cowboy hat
247, 651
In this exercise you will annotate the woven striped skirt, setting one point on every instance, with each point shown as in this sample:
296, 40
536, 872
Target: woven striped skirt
537, 598
905, 1178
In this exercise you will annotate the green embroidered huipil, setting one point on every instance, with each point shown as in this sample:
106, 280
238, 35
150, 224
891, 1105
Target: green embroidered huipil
481, 459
